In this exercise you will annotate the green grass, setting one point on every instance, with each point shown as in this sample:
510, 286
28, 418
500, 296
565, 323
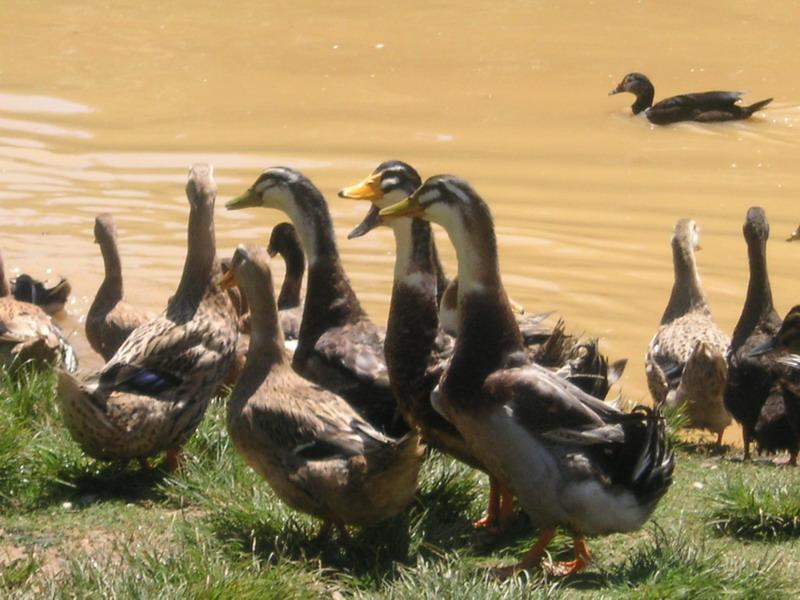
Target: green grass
74, 527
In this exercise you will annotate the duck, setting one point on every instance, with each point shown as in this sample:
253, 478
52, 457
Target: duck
795, 235
551, 346
153, 392
339, 347
753, 393
685, 362
51, 299
572, 460
284, 240
110, 319
705, 107
786, 346
314, 449
27, 333
415, 344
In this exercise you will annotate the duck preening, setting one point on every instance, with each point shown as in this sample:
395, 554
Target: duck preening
51, 299
315, 450
571, 459
753, 393
338, 347
110, 319
27, 333
702, 106
153, 392
685, 362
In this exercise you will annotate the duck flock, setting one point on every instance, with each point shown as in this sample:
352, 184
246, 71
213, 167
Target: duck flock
335, 411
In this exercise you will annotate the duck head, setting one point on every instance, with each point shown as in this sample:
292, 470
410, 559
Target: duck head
284, 240
248, 269
640, 86
389, 183
756, 228
201, 188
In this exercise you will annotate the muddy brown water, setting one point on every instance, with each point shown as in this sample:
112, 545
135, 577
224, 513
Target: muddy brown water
104, 109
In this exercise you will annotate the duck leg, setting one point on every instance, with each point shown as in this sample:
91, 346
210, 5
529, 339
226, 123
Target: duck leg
500, 509
746, 443
582, 558
492, 511
531, 559
719, 439
174, 459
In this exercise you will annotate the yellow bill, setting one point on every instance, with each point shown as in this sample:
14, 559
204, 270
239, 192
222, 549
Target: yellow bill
369, 189
227, 281
410, 207
247, 200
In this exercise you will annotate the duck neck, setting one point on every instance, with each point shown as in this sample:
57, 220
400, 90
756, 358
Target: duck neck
200, 258
266, 349
293, 280
488, 334
687, 294
4, 289
441, 277
413, 319
111, 290
644, 99
758, 305
330, 299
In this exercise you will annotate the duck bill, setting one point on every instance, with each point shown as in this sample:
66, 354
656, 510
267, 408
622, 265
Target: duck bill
227, 281
617, 90
410, 207
370, 222
795, 235
247, 200
764, 348
368, 189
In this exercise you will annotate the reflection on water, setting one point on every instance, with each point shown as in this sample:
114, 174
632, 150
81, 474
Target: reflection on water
111, 106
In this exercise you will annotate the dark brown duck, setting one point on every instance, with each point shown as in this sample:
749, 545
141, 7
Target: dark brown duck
705, 107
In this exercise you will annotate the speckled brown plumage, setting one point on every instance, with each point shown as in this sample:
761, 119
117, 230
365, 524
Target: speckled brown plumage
110, 319
152, 394
27, 333
318, 454
685, 362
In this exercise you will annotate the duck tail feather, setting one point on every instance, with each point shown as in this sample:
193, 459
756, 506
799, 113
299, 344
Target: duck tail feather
652, 473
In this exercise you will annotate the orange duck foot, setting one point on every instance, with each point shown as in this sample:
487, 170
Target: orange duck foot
532, 558
500, 510
582, 558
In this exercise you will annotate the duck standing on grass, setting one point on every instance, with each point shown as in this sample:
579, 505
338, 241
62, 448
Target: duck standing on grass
753, 393
110, 319
703, 106
685, 362
313, 448
339, 347
153, 392
27, 333
572, 460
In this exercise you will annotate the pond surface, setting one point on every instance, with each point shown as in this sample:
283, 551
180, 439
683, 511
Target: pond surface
104, 109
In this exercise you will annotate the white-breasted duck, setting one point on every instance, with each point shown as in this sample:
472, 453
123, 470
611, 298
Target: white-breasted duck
153, 392
685, 362
572, 460
705, 107
318, 454
110, 319
339, 347
753, 393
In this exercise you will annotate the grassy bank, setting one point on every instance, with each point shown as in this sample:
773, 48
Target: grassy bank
73, 527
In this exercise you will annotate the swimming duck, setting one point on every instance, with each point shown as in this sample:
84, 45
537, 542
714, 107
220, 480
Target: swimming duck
153, 392
685, 362
572, 460
753, 393
28, 333
339, 347
284, 241
110, 319
51, 299
704, 106
795, 235
318, 454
